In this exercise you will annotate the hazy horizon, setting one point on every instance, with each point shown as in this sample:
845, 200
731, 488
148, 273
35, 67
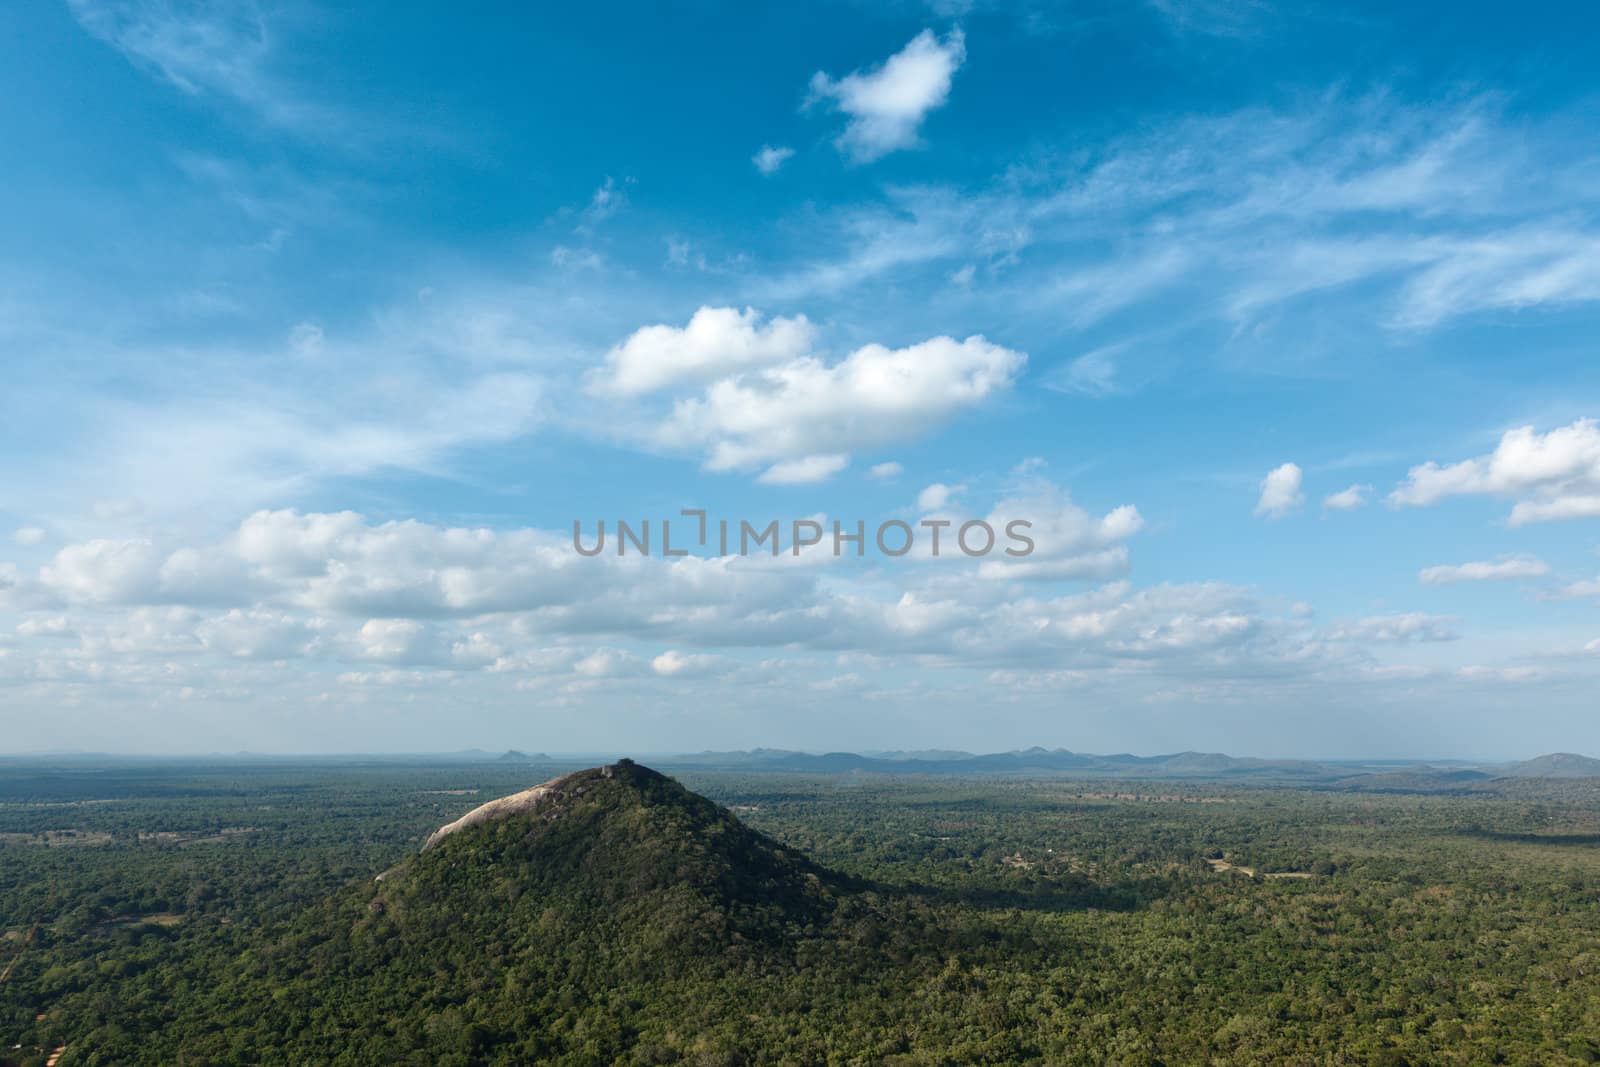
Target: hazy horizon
481, 753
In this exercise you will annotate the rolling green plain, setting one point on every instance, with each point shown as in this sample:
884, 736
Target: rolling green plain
219, 913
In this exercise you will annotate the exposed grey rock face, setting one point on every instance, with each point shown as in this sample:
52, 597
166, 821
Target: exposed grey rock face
525, 801
515, 804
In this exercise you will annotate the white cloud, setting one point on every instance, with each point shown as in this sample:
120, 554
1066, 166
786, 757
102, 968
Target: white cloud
403, 641
1479, 673
29, 536
1395, 629
1484, 571
259, 634
1556, 475
54, 626
1347, 499
1518, 269
410, 594
1280, 492
1572, 506
876, 396
1589, 587
607, 663
885, 471
1069, 543
674, 664
937, 497
770, 158
804, 471
716, 342
105, 571
886, 105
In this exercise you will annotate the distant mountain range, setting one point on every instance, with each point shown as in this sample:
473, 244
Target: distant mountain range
1190, 765
1400, 775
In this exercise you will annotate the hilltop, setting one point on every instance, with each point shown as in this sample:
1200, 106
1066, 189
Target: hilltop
1555, 765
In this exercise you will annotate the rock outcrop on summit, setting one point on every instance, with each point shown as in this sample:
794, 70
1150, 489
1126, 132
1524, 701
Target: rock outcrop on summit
504, 807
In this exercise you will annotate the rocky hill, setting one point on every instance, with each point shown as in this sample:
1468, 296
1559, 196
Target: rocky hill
623, 836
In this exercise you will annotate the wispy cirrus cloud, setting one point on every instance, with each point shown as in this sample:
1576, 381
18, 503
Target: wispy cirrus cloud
1418, 216
226, 49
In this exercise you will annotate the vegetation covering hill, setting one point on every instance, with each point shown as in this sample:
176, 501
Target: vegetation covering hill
620, 839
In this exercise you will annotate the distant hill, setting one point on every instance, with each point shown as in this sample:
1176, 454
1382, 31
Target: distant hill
1123, 765
1555, 765
513, 756
1379, 775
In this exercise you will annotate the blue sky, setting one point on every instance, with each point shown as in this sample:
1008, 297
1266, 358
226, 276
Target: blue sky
322, 324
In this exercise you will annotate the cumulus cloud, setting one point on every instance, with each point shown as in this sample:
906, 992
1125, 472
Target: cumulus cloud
396, 605
885, 471
716, 342
770, 159
105, 571
28, 536
886, 105
1280, 492
675, 664
1553, 475
260, 634
1068, 542
807, 408
412, 595
1347, 499
607, 663
1484, 571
